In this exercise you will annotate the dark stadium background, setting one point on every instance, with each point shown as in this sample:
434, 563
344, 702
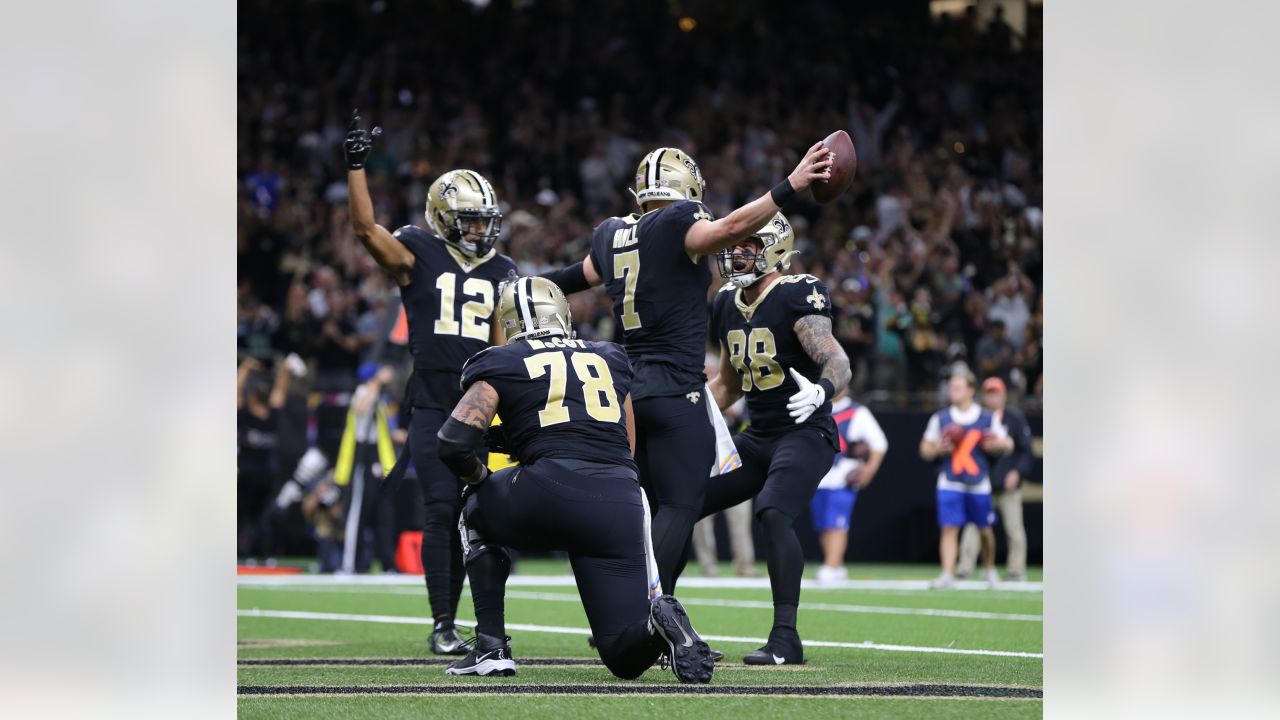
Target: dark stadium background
556, 101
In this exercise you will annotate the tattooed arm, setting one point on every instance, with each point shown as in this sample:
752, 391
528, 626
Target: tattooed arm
814, 332
463, 433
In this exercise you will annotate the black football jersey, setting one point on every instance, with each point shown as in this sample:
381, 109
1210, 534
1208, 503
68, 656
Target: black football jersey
559, 398
659, 295
762, 345
449, 303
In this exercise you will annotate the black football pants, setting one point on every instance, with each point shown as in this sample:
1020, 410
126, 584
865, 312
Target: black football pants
675, 448
593, 511
442, 493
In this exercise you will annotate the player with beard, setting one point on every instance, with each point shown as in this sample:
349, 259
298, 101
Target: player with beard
448, 279
776, 348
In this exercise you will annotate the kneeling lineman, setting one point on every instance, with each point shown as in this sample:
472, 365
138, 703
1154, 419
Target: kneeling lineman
776, 347
567, 418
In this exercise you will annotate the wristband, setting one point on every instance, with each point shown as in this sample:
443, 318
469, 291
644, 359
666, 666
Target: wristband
782, 192
827, 388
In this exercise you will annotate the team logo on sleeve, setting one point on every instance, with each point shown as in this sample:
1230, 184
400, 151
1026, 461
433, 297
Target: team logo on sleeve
816, 300
702, 214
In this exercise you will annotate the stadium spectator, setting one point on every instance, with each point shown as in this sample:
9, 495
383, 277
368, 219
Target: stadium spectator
996, 354
257, 413
946, 198
1009, 473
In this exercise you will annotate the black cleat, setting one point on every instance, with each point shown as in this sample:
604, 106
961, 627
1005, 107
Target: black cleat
689, 656
445, 641
716, 655
487, 656
783, 648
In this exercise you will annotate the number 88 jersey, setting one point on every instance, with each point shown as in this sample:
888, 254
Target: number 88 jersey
761, 341
559, 398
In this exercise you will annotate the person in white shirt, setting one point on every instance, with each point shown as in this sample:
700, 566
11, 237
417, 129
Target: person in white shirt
862, 449
964, 440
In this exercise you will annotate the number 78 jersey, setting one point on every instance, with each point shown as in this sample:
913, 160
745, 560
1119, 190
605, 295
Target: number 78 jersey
559, 398
761, 341
659, 294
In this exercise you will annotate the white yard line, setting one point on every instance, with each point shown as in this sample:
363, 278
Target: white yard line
401, 620
710, 602
692, 582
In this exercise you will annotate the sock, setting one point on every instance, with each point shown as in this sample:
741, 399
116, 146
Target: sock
488, 573
786, 566
440, 531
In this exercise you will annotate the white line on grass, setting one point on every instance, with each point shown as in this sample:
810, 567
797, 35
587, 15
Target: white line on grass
714, 602
559, 630
691, 582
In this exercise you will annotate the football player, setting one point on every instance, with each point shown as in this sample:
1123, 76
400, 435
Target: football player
448, 279
567, 418
654, 266
776, 347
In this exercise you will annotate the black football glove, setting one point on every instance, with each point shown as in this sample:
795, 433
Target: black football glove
495, 438
359, 142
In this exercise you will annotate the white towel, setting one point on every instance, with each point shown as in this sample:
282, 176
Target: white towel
727, 458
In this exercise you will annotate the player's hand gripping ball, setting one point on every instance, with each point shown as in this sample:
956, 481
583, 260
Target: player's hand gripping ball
843, 167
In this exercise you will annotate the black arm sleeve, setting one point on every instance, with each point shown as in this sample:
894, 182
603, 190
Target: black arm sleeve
457, 449
571, 279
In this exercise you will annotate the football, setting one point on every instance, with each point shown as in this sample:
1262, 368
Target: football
842, 170
954, 433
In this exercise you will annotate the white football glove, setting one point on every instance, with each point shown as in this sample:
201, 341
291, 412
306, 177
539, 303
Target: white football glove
810, 397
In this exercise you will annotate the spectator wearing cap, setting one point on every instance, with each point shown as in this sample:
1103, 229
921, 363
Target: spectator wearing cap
1010, 470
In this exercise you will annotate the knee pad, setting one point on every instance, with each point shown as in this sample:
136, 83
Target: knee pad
473, 543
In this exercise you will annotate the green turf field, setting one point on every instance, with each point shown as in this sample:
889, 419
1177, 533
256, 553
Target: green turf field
317, 648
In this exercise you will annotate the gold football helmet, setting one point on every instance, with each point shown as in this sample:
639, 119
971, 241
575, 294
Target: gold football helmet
668, 174
533, 307
463, 210
778, 245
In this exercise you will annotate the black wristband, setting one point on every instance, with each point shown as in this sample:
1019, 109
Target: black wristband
828, 388
782, 192
571, 279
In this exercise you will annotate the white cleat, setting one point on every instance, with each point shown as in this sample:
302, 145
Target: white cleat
832, 575
992, 577
942, 582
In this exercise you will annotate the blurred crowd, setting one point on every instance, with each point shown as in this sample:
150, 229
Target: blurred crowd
933, 257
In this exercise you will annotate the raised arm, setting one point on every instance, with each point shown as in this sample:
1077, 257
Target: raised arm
280, 388
463, 433
389, 252
247, 366
709, 236
726, 387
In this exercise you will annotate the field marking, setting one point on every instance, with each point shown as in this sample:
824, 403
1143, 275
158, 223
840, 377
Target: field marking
761, 583
712, 602
560, 630
920, 690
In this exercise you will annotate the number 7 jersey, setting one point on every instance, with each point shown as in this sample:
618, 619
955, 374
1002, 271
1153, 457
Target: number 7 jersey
761, 341
659, 295
559, 398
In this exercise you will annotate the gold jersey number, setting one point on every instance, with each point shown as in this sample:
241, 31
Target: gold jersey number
627, 266
753, 357
475, 313
592, 370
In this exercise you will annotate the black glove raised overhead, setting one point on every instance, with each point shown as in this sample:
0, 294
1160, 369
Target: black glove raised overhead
359, 142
